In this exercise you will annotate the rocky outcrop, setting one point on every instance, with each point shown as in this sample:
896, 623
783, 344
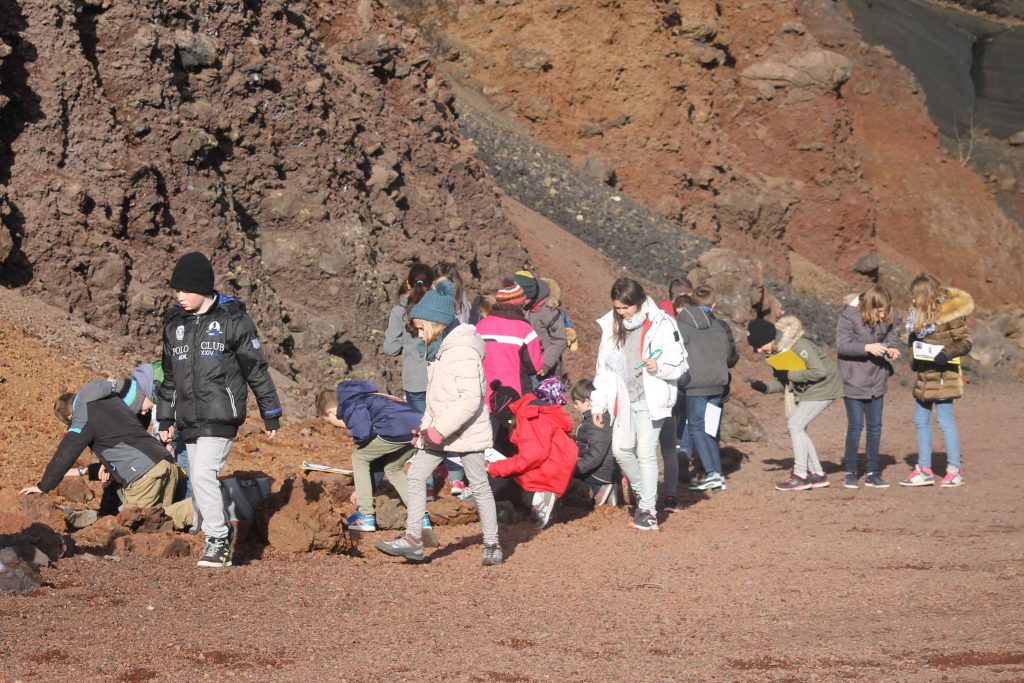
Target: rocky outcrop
309, 147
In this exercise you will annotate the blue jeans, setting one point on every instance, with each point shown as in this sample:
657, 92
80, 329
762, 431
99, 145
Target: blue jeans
923, 423
859, 410
417, 399
707, 445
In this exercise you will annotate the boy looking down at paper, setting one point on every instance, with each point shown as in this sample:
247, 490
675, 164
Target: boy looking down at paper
808, 391
712, 352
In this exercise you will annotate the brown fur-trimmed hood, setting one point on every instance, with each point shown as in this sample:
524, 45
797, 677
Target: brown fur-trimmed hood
958, 304
790, 331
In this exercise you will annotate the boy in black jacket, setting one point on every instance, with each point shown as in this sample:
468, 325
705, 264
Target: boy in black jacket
211, 355
596, 464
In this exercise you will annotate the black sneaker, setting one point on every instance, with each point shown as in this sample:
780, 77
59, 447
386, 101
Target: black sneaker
216, 552
794, 483
875, 481
817, 481
644, 521
671, 504
850, 481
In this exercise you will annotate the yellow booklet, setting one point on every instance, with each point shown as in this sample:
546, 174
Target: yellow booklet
787, 360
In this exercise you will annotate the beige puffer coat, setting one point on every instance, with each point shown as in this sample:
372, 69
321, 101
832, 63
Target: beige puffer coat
455, 393
945, 382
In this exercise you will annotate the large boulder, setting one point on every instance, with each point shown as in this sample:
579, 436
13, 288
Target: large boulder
305, 516
449, 511
738, 283
160, 545
815, 68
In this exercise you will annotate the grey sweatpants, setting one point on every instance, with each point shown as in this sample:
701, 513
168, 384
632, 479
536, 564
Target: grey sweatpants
423, 464
206, 457
805, 457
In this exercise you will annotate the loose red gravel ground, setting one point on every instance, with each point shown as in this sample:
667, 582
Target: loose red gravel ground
751, 584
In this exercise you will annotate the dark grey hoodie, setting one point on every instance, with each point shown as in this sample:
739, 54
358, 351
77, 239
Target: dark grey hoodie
711, 350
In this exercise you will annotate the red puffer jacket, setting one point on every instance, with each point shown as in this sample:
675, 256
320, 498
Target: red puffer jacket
547, 452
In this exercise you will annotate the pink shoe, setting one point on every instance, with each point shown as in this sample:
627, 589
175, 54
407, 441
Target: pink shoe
459, 489
952, 479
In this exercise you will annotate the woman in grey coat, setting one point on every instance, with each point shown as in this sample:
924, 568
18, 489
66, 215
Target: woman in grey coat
866, 341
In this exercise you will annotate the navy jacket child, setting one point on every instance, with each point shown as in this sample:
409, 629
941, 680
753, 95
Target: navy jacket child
382, 427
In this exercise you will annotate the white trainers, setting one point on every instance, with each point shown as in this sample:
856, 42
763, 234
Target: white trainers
918, 477
542, 507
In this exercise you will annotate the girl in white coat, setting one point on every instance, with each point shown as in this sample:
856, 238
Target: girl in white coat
638, 363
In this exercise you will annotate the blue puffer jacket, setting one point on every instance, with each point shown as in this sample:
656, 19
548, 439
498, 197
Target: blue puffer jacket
369, 413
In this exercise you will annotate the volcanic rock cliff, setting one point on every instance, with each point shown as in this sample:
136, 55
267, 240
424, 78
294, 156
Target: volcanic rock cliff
308, 147
769, 127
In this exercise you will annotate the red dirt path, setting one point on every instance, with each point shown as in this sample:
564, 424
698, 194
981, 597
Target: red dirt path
752, 584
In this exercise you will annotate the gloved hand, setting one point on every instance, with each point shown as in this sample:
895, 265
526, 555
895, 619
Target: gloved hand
782, 375
759, 386
432, 440
941, 358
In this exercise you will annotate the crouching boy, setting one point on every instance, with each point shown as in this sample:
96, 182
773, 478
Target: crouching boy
382, 427
596, 465
111, 427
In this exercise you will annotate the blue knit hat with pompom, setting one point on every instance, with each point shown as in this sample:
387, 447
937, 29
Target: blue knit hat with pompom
437, 305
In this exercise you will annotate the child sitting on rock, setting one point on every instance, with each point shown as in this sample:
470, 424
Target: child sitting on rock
382, 427
545, 456
596, 464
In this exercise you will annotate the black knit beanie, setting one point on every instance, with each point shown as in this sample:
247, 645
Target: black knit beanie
760, 332
193, 273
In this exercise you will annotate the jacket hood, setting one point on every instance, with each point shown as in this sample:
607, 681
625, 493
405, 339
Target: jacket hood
525, 409
958, 304
695, 317
790, 331
543, 294
464, 335
554, 292
350, 393
143, 378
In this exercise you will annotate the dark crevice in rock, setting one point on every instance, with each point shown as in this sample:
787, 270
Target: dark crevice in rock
85, 26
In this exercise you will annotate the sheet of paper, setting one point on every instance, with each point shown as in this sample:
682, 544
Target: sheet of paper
712, 419
491, 455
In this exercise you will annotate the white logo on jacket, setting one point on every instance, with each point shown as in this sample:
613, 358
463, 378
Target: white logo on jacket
213, 329
179, 333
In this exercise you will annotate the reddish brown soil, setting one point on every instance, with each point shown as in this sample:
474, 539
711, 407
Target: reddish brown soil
751, 584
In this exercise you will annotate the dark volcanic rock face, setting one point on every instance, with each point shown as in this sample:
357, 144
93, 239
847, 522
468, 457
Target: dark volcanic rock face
308, 147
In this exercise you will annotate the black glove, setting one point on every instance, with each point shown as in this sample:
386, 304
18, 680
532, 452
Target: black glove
782, 375
759, 386
941, 358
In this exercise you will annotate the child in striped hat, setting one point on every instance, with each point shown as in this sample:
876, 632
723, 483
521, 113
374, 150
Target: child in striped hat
513, 349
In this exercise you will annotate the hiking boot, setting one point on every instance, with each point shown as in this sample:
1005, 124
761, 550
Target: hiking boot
604, 495
817, 481
710, 481
671, 504
875, 482
492, 555
644, 521
216, 552
542, 507
919, 477
794, 483
409, 547
360, 522
952, 479
427, 524
850, 481
459, 489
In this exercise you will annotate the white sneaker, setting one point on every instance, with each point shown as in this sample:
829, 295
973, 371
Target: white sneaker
542, 507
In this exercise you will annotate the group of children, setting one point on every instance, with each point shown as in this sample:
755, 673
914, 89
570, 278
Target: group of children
868, 337
484, 398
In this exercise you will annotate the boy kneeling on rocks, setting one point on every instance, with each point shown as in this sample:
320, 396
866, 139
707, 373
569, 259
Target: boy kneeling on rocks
104, 416
382, 427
